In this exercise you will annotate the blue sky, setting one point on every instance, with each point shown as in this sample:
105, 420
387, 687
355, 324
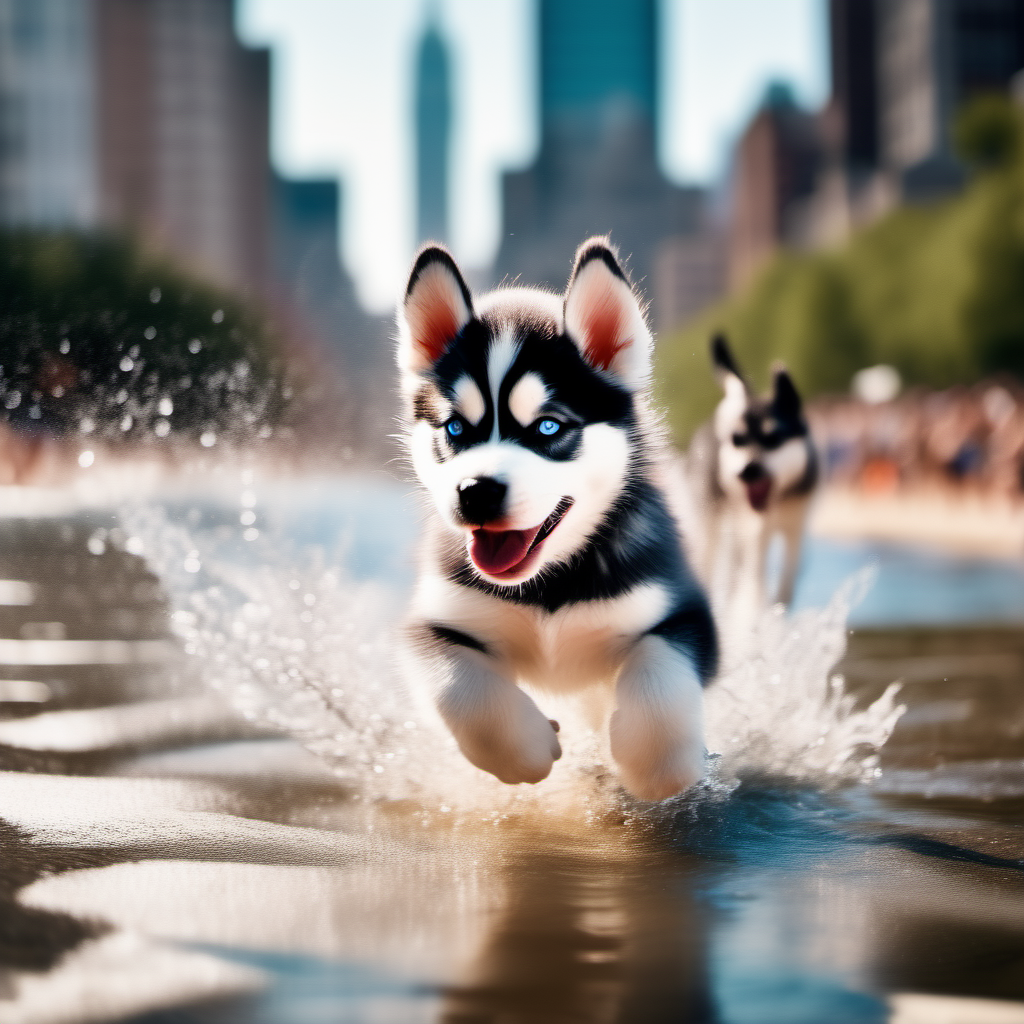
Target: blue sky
342, 103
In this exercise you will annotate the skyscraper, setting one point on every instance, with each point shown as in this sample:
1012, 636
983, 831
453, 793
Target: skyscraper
852, 110
596, 55
47, 146
146, 115
900, 71
433, 135
597, 168
183, 120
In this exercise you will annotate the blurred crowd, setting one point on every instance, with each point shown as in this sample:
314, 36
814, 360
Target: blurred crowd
966, 439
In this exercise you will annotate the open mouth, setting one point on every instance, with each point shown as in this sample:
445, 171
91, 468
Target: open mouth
757, 493
504, 554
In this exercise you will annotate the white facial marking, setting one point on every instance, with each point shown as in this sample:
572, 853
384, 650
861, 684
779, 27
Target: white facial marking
731, 462
593, 479
731, 407
500, 357
526, 398
787, 463
468, 400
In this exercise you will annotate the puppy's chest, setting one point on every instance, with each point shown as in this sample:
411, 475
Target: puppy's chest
574, 647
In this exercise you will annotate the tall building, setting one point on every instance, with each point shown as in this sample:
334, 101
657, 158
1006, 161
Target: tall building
319, 301
308, 271
900, 71
145, 115
902, 68
48, 149
775, 167
597, 169
596, 55
183, 120
852, 111
433, 135
149, 116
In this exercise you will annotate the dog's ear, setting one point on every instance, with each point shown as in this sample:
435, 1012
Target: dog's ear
603, 317
723, 360
785, 399
727, 370
437, 306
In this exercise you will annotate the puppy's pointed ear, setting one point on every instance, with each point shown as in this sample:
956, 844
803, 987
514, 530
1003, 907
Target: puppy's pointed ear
727, 370
603, 317
722, 358
786, 398
437, 306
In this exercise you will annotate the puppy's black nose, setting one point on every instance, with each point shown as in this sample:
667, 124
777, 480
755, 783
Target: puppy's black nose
752, 472
482, 499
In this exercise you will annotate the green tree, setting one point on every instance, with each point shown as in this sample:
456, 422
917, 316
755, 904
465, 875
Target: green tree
937, 290
98, 334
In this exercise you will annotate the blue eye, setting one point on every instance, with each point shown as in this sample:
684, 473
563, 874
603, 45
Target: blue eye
549, 427
454, 428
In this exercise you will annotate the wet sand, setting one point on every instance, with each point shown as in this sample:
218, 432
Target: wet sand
165, 861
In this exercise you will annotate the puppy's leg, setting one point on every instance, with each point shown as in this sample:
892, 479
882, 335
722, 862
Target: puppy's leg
497, 726
793, 532
657, 731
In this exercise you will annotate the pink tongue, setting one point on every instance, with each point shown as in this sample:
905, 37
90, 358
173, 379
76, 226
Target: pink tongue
497, 551
757, 493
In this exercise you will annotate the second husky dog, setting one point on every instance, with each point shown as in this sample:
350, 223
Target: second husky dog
551, 557
755, 468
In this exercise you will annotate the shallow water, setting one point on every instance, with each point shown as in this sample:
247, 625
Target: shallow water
174, 851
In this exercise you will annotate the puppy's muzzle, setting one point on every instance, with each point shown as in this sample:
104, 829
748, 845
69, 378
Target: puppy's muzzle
753, 472
482, 500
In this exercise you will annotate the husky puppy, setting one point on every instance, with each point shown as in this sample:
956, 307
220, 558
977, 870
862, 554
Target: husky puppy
756, 467
551, 558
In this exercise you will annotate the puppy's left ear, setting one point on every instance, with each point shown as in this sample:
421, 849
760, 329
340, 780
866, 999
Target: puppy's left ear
437, 306
603, 317
786, 398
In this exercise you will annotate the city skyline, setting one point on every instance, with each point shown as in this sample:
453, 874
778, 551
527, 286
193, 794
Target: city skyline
715, 67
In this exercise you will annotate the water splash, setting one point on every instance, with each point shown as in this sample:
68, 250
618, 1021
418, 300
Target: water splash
300, 647
780, 710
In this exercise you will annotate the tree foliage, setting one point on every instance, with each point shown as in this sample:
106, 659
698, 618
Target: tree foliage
96, 334
936, 290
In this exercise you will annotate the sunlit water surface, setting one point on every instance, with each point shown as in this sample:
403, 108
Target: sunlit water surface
240, 807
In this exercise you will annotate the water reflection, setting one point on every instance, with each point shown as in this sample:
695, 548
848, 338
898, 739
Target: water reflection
585, 936
166, 861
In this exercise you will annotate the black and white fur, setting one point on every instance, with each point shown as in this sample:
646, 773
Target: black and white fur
756, 468
529, 410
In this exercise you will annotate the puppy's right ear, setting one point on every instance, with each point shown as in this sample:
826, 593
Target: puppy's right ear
722, 358
437, 306
727, 370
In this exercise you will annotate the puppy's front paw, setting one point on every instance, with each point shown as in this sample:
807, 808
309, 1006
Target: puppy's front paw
653, 765
521, 755
520, 746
